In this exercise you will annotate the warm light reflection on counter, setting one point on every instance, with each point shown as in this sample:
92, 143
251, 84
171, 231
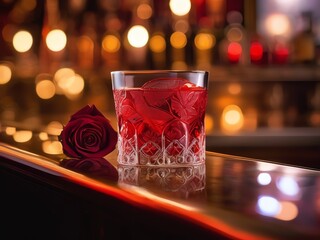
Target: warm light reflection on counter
264, 178
43, 136
54, 128
268, 206
22, 136
288, 185
10, 131
288, 211
52, 147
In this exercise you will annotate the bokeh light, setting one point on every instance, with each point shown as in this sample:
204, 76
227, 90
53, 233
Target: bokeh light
54, 128
111, 43
22, 41
22, 136
288, 211
181, 25
264, 178
5, 74
10, 131
45, 89
178, 40
157, 43
76, 85
180, 7
52, 147
144, 11
234, 34
234, 51
56, 40
288, 185
138, 36
68, 82
204, 41
268, 206
232, 118
256, 51
277, 24
43, 136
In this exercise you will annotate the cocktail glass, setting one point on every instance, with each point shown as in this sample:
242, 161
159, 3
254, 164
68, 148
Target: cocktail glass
160, 117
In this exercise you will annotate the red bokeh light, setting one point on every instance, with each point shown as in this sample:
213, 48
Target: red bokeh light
256, 51
234, 52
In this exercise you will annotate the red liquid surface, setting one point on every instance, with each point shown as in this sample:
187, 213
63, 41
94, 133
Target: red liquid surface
163, 114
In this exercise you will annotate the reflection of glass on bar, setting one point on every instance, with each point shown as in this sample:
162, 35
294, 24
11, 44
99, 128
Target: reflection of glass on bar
184, 180
160, 116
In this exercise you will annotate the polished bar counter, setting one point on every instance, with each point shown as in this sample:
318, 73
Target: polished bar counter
230, 197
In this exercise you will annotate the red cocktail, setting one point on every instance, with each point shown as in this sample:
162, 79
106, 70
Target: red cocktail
161, 122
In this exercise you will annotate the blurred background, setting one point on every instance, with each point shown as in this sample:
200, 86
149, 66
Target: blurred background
263, 58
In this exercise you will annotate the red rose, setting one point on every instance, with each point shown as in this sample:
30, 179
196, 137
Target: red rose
88, 134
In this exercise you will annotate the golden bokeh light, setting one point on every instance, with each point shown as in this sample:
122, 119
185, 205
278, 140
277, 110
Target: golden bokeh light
56, 40
157, 44
111, 43
180, 7
22, 41
232, 118
144, 11
54, 128
22, 136
204, 41
43, 136
52, 147
76, 85
138, 36
178, 40
68, 82
10, 131
5, 74
45, 89
61, 77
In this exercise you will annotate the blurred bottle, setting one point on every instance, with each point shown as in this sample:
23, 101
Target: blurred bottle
304, 42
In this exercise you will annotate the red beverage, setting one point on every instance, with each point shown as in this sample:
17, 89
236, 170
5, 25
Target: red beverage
161, 122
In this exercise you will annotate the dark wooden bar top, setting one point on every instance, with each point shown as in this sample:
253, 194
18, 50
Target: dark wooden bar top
230, 197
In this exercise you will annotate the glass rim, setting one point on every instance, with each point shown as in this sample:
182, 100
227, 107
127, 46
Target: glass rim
135, 72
